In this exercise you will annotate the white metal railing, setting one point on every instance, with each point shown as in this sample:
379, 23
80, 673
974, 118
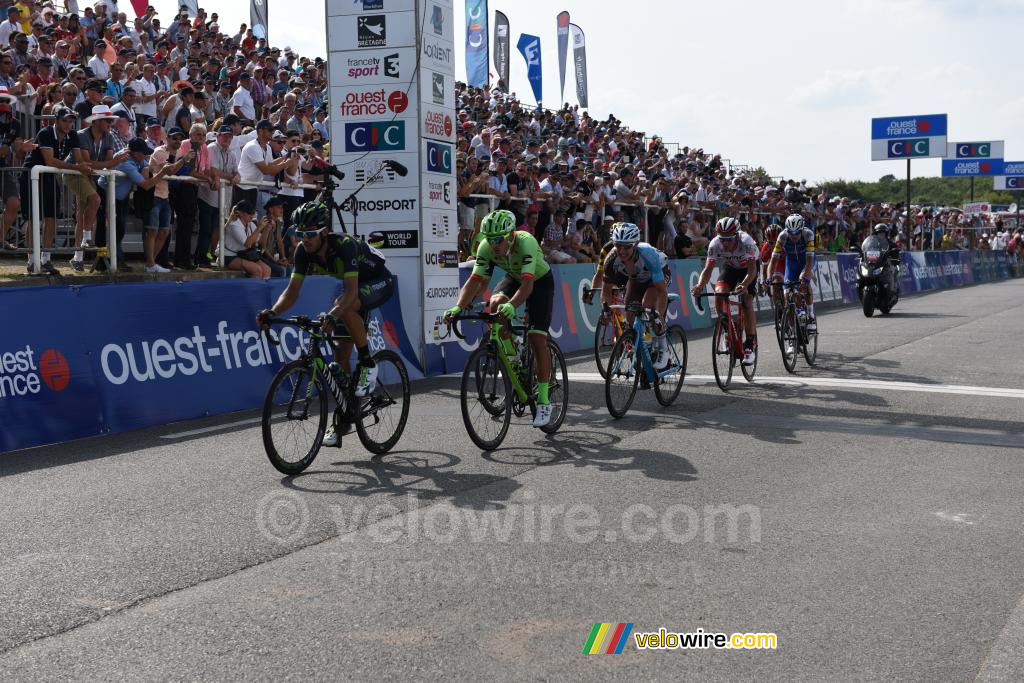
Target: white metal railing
111, 207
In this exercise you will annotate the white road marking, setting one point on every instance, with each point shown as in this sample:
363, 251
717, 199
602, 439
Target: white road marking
1005, 661
997, 392
212, 428
956, 517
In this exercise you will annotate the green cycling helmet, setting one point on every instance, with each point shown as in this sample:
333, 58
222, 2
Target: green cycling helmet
498, 224
311, 216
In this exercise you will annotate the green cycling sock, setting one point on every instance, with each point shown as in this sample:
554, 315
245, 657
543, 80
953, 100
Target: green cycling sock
542, 393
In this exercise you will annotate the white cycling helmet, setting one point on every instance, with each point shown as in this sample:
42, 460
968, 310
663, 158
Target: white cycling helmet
625, 233
795, 224
727, 227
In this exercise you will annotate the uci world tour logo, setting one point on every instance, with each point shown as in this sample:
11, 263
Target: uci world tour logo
371, 31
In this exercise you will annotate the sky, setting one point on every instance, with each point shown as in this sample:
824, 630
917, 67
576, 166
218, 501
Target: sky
791, 86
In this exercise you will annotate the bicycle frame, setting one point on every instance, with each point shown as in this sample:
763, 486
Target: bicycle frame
494, 337
641, 325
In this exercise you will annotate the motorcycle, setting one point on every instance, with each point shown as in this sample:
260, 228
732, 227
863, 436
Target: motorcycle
878, 275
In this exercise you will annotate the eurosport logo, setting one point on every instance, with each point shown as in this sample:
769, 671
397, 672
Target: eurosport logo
439, 192
442, 259
435, 51
365, 67
973, 150
437, 124
902, 149
437, 87
439, 157
22, 373
441, 292
376, 102
377, 205
381, 136
371, 31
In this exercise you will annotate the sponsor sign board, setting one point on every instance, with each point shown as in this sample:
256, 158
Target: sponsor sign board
908, 137
376, 30
389, 67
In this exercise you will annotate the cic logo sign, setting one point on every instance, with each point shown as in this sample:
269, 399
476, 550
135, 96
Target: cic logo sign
902, 149
439, 157
973, 150
381, 136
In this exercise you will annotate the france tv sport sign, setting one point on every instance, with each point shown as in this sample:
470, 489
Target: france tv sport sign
908, 137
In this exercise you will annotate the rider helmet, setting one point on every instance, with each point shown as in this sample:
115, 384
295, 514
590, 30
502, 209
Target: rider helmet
311, 216
771, 233
795, 224
880, 228
625, 233
498, 224
727, 227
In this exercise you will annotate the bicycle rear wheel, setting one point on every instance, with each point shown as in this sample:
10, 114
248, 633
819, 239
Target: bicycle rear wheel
604, 340
294, 417
667, 389
382, 414
750, 370
623, 375
789, 342
486, 398
722, 358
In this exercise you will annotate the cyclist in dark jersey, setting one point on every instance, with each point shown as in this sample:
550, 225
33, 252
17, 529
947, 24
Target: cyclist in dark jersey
368, 284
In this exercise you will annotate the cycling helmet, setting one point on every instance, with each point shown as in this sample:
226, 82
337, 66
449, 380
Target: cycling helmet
311, 216
795, 224
498, 223
771, 233
880, 227
625, 233
727, 227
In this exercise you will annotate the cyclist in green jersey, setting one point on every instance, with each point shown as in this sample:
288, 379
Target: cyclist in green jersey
528, 279
368, 285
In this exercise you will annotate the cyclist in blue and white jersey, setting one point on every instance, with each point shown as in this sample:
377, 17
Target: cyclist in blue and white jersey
645, 270
798, 244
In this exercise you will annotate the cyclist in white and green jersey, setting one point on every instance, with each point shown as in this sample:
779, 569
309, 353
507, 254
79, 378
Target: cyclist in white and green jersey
527, 279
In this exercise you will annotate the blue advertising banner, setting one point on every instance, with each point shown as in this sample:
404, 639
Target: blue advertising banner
529, 47
971, 167
110, 358
897, 127
562, 21
477, 57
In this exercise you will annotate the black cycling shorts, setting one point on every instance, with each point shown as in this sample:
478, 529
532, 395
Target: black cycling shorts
732, 276
372, 294
538, 304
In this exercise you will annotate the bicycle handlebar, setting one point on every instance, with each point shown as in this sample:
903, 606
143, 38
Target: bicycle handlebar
301, 321
723, 295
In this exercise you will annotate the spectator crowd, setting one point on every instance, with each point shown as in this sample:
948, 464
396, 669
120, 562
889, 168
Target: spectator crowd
183, 108
569, 177
175, 109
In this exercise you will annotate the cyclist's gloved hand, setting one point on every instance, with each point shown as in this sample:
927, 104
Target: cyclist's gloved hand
739, 289
588, 296
452, 312
264, 317
507, 310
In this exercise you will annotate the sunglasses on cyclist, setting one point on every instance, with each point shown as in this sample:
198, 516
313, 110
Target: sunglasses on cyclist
624, 245
727, 238
307, 234
495, 239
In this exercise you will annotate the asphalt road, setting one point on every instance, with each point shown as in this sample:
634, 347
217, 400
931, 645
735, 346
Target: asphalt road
870, 518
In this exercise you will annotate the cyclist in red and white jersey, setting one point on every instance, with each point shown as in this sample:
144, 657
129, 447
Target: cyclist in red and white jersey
735, 254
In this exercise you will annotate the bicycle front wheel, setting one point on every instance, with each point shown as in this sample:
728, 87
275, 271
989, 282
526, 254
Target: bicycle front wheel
604, 340
722, 358
667, 388
810, 347
294, 417
789, 342
623, 375
486, 398
382, 414
750, 370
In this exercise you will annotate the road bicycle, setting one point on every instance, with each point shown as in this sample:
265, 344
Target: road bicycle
631, 364
794, 336
610, 327
295, 411
727, 340
499, 379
